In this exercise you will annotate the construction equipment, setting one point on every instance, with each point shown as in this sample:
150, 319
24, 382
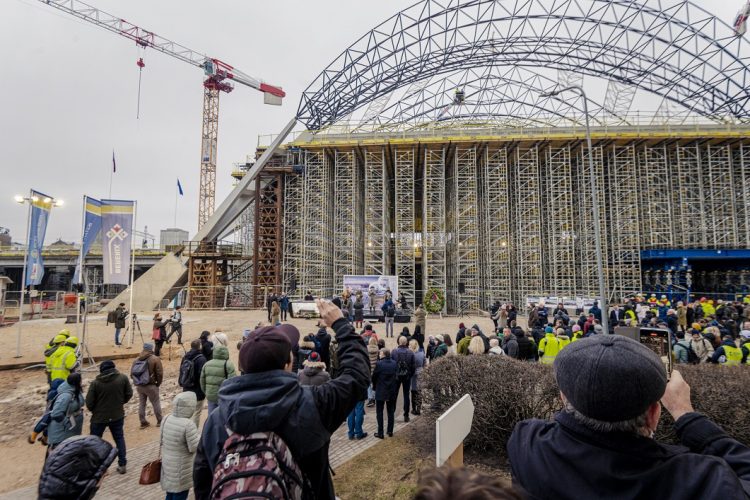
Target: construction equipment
218, 77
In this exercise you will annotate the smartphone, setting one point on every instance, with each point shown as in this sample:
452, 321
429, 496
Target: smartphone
659, 341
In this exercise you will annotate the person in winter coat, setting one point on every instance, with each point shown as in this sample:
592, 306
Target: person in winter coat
120, 314
268, 398
207, 347
284, 306
681, 349
64, 360
526, 346
76, 468
702, 347
214, 373
306, 347
728, 354
389, 315
368, 332
461, 333
420, 316
404, 359
106, 400
149, 391
672, 320
510, 344
275, 313
359, 312
419, 337
66, 417
324, 344
179, 442
613, 389
314, 372
549, 347
495, 349
682, 319
372, 351
386, 383
194, 360
159, 333
476, 346
441, 347
419, 364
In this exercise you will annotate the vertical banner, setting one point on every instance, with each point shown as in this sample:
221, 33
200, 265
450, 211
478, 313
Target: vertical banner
92, 225
117, 233
41, 204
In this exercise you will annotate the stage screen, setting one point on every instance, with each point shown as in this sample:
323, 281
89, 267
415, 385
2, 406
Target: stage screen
379, 284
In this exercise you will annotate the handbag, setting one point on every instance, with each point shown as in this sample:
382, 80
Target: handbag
151, 472
156, 334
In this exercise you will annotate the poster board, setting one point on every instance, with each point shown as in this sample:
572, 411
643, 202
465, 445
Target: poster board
364, 283
451, 428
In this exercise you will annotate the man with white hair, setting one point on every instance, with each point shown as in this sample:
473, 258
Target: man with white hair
405, 368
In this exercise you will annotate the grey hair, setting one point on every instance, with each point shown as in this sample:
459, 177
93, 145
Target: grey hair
635, 425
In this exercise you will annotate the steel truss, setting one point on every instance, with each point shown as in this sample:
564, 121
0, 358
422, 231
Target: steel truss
720, 197
677, 51
495, 242
434, 237
528, 244
317, 271
406, 243
377, 219
348, 216
209, 138
293, 234
559, 234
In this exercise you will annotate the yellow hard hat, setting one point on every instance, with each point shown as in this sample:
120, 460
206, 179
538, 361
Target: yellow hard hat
72, 340
59, 339
64, 332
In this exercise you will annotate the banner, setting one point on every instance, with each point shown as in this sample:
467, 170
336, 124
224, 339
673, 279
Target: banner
378, 284
41, 204
117, 235
92, 225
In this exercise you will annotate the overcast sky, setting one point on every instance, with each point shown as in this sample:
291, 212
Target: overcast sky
68, 97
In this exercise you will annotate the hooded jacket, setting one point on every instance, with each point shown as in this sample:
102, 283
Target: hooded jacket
625, 466
313, 373
324, 343
66, 418
155, 369
215, 372
198, 359
74, 469
304, 417
510, 346
179, 441
107, 396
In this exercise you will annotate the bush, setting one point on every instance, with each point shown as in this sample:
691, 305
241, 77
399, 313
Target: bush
506, 391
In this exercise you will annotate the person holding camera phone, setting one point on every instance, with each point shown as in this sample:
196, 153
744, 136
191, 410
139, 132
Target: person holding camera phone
176, 322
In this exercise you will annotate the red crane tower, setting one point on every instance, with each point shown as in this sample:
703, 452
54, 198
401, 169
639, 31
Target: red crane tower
219, 76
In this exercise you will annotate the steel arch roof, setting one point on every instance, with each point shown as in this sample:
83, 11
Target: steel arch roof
669, 48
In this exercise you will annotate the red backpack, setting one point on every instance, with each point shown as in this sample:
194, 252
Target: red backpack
256, 466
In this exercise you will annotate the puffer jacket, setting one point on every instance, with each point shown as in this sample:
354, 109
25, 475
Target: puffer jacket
74, 469
107, 396
314, 373
66, 416
215, 372
373, 351
179, 441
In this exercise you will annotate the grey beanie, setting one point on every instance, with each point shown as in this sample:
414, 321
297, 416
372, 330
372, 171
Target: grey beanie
610, 377
148, 346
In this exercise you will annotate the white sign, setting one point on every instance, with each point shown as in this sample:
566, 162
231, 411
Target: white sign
452, 427
376, 283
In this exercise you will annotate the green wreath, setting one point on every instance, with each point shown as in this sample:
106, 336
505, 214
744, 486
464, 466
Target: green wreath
434, 300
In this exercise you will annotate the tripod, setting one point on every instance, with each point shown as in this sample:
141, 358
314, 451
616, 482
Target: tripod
175, 327
136, 326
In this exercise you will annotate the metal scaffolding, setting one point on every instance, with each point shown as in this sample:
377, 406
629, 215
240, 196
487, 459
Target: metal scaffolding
377, 238
293, 234
528, 243
742, 193
657, 222
406, 243
465, 248
433, 228
586, 245
689, 209
317, 270
267, 256
348, 213
557, 222
720, 198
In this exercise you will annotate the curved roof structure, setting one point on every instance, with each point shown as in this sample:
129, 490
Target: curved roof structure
500, 52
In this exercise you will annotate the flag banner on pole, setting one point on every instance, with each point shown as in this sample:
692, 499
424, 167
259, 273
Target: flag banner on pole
41, 204
92, 225
179, 187
117, 233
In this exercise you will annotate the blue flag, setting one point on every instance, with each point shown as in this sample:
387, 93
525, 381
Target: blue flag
179, 187
117, 234
92, 225
41, 204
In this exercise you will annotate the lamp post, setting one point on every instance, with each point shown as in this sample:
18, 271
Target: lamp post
30, 200
594, 192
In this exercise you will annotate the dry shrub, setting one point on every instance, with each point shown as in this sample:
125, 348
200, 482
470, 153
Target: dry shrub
506, 391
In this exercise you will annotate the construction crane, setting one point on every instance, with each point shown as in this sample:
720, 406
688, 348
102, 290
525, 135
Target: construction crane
218, 78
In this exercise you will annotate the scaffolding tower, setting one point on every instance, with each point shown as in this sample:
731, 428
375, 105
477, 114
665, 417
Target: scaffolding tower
690, 221
657, 222
720, 197
348, 216
269, 189
588, 276
742, 192
405, 240
528, 244
465, 258
293, 234
433, 227
557, 221
318, 236
377, 214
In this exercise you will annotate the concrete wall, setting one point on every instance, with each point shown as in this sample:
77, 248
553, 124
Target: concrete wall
154, 285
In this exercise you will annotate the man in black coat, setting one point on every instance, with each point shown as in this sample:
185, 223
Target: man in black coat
268, 398
385, 383
405, 368
324, 344
601, 445
193, 360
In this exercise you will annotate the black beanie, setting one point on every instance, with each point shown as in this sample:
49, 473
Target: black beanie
106, 365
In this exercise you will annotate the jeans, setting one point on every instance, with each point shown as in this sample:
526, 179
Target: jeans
182, 495
212, 406
148, 392
117, 336
388, 326
115, 427
391, 406
406, 388
370, 392
283, 314
355, 420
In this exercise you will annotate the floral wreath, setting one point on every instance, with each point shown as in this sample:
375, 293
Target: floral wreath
434, 300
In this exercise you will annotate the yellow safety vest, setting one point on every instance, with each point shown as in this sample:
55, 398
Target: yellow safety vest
549, 347
733, 356
62, 361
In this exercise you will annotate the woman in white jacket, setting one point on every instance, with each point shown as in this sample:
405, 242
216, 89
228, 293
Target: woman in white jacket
179, 441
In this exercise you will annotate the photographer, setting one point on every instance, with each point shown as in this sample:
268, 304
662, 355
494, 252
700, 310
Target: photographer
120, 314
176, 322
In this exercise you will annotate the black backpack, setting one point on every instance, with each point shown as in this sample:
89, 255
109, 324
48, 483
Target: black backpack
187, 373
692, 357
402, 368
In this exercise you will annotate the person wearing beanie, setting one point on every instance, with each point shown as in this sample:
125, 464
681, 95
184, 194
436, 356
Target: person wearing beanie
207, 346
549, 347
76, 468
613, 389
147, 373
461, 333
106, 400
313, 371
268, 398
577, 333
700, 345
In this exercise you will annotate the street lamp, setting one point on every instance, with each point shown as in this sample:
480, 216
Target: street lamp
30, 200
597, 223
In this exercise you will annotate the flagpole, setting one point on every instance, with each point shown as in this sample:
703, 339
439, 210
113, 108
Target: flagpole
23, 278
132, 272
80, 267
112, 173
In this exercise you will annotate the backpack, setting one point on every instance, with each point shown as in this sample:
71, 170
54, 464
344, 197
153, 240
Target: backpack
692, 357
187, 373
390, 311
111, 317
259, 465
139, 372
402, 368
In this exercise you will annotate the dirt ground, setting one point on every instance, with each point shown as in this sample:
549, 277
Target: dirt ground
22, 391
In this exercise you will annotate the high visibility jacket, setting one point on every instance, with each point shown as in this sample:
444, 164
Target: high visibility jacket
549, 346
62, 362
576, 336
733, 355
708, 309
629, 314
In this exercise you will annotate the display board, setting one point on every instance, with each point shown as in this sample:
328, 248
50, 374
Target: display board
378, 284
